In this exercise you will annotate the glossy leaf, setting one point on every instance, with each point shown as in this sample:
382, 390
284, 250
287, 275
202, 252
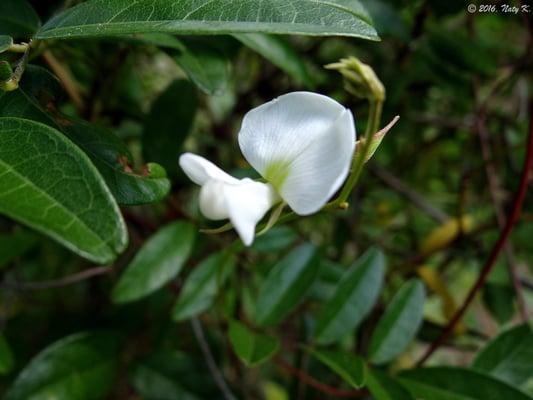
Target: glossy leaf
348, 366
80, 366
353, 298
102, 18
252, 348
508, 356
168, 124
156, 263
280, 53
383, 387
18, 19
446, 383
5, 42
6, 357
47, 183
14, 245
398, 326
286, 285
202, 285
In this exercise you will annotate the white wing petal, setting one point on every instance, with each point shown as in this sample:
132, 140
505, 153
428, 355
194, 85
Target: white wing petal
201, 170
302, 143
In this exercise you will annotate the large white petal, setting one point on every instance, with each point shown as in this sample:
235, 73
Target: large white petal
201, 170
247, 203
303, 144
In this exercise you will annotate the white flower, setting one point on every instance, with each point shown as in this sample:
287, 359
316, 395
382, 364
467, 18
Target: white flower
302, 143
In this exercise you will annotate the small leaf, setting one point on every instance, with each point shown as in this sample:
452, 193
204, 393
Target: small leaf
447, 383
353, 298
398, 326
168, 124
5, 42
383, 387
18, 19
79, 366
202, 286
286, 285
348, 366
15, 245
6, 357
47, 183
104, 18
156, 263
508, 356
280, 53
252, 348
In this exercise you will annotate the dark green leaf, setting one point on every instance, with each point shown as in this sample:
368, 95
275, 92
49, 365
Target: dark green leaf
499, 299
157, 262
286, 285
509, 356
18, 19
15, 245
104, 18
251, 347
353, 298
445, 383
279, 52
202, 286
383, 387
168, 124
6, 357
5, 42
47, 183
80, 366
348, 366
398, 326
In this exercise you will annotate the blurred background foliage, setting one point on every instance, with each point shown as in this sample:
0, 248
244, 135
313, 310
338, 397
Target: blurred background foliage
180, 311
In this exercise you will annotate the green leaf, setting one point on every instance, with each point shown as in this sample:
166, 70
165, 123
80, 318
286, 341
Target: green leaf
5, 42
48, 184
286, 285
15, 245
353, 298
6, 357
156, 263
509, 356
252, 348
280, 53
79, 366
202, 285
104, 18
398, 326
383, 387
168, 124
446, 383
349, 367
18, 19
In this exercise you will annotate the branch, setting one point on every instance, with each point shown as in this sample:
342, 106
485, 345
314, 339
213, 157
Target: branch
497, 249
65, 281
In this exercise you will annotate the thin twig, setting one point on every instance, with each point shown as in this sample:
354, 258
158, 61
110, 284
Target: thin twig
497, 249
65, 281
210, 360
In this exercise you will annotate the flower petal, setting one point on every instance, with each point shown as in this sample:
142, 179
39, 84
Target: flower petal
302, 143
200, 170
247, 203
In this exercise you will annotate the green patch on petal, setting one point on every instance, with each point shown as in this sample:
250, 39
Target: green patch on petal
276, 173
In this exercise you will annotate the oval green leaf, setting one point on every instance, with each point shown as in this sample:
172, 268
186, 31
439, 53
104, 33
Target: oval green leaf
47, 183
447, 383
353, 298
157, 262
105, 18
252, 348
202, 285
80, 366
286, 285
400, 323
348, 366
383, 387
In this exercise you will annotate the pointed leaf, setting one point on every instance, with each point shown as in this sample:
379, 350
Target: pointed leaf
156, 263
348, 366
104, 18
251, 347
398, 326
286, 285
353, 298
47, 183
